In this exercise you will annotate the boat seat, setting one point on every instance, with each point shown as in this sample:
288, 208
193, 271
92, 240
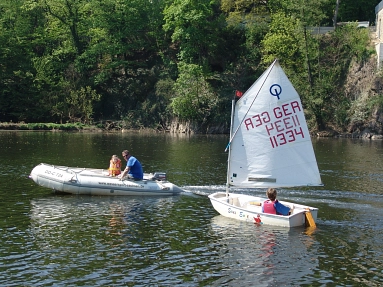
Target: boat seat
235, 201
220, 195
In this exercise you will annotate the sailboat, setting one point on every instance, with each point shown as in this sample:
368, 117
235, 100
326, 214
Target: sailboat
270, 147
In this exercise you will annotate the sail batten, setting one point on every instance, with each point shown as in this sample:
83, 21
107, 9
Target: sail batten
270, 145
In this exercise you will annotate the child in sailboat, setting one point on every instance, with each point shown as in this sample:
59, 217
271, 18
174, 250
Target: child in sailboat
272, 205
114, 166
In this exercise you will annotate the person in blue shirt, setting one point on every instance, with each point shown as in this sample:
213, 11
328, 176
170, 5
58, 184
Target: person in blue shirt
133, 167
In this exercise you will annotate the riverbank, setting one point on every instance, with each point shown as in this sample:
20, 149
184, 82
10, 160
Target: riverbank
113, 126
105, 126
110, 126
48, 127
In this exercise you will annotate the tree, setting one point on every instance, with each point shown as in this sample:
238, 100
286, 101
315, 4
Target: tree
284, 41
239, 12
124, 38
18, 90
194, 99
335, 19
361, 10
291, 40
337, 51
80, 104
67, 16
194, 29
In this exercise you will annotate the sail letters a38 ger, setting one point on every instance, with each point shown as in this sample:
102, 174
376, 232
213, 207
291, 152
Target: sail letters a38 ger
270, 146
282, 125
270, 142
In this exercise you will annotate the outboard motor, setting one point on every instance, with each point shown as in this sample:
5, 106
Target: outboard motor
159, 176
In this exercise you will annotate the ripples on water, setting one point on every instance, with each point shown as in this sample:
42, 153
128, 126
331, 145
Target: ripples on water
53, 240
98, 241
166, 241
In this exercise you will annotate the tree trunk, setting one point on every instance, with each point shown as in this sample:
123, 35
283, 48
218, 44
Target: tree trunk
336, 13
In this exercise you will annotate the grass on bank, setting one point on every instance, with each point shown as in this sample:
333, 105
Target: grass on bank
46, 126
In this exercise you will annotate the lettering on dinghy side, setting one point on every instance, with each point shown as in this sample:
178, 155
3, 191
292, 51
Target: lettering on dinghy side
120, 184
53, 173
240, 214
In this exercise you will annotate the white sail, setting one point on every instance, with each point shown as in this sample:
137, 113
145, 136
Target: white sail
271, 144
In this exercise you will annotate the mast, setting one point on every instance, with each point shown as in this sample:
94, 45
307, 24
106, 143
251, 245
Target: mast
232, 134
228, 147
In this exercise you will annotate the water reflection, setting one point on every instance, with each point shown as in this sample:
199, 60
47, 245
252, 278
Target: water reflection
116, 217
346, 165
270, 256
116, 223
146, 234
349, 165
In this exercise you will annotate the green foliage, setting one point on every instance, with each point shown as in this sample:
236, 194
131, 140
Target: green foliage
316, 65
132, 120
193, 27
359, 111
239, 12
154, 112
361, 10
80, 104
309, 12
194, 98
126, 42
375, 102
254, 34
284, 41
364, 108
18, 93
146, 62
355, 40
336, 52
44, 126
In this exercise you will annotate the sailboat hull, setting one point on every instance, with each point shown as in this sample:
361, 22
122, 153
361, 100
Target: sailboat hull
247, 208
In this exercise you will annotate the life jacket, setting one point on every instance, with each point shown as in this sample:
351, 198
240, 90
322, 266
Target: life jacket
268, 207
115, 167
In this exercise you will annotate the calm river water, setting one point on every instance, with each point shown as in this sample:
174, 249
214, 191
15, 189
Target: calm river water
55, 240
